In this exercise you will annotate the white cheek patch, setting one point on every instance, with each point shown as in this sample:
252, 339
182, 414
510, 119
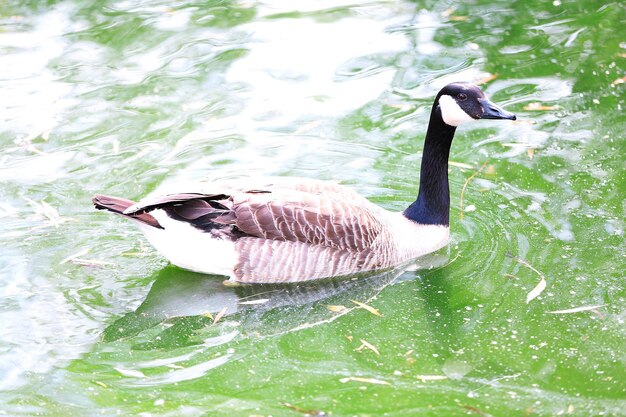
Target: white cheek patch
451, 112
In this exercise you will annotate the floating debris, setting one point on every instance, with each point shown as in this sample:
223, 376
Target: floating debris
90, 262
143, 251
254, 302
366, 380
130, 372
535, 106
425, 378
467, 181
74, 256
77, 260
577, 309
336, 309
534, 293
541, 285
475, 410
219, 316
48, 211
619, 81
457, 256
368, 308
472, 393
44, 209
315, 413
487, 79
115, 147
514, 144
527, 265
27, 142
367, 345
460, 165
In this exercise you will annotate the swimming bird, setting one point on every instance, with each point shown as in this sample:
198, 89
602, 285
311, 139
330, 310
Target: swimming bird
287, 229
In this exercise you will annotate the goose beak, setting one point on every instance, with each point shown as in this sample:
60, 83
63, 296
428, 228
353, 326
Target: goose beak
492, 111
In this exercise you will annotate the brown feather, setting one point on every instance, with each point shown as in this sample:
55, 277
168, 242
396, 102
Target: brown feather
172, 199
118, 205
273, 261
309, 211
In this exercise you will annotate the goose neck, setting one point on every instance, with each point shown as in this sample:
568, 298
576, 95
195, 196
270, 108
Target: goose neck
433, 201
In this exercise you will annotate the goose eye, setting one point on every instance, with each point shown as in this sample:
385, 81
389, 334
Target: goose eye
462, 96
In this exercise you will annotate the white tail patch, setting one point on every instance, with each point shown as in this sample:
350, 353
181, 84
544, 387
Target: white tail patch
451, 112
190, 248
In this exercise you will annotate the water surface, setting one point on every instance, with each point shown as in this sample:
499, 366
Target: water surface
126, 98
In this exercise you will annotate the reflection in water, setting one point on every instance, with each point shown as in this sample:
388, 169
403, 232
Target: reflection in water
194, 316
187, 301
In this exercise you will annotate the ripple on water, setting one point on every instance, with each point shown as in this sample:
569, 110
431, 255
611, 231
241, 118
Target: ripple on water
137, 95
487, 237
166, 369
174, 336
33, 337
187, 373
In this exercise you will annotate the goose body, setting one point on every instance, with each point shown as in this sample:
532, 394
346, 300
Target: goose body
286, 229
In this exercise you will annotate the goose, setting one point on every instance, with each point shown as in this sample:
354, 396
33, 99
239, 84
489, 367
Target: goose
289, 229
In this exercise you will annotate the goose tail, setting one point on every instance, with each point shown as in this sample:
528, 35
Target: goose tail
117, 205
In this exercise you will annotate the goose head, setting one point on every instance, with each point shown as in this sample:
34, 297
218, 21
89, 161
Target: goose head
463, 102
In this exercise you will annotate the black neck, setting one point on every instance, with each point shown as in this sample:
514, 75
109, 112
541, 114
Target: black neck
433, 200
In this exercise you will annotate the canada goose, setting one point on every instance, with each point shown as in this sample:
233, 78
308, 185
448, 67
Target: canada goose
284, 229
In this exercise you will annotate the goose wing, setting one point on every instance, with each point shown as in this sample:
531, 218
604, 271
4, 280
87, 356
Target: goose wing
309, 218
307, 212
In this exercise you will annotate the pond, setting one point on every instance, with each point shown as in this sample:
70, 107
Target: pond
522, 314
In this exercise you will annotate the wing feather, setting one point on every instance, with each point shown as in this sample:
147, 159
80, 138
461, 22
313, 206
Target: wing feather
294, 210
314, 219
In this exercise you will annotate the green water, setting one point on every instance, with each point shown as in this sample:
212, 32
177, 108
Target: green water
126, 97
